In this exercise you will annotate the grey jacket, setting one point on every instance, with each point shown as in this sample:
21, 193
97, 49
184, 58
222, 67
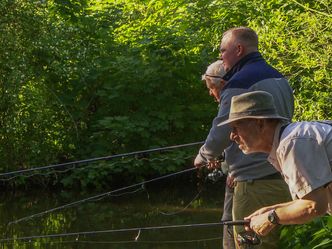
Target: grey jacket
249, 74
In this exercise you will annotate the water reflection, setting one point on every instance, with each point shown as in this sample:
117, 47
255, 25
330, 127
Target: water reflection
154, 206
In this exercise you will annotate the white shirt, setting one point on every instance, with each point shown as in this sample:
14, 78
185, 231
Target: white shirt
304, 157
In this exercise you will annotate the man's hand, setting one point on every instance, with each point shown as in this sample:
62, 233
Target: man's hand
198, 162
259, 222
230, 181
213, 164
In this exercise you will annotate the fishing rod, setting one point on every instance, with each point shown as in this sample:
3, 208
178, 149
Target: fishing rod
212, 176
77, 163
95, 242
136, 229
100, 196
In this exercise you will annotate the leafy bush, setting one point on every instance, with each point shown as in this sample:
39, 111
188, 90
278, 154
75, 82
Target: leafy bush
314, 235
82, 79
90, 78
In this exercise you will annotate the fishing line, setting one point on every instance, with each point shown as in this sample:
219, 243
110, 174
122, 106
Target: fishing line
183, 209
77, 241
124, 193
86, 233
195, 198
58, 171
99, 196
77, 163
38, 174
188, 205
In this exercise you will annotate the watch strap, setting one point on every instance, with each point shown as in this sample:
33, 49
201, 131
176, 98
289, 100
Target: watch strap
273, 217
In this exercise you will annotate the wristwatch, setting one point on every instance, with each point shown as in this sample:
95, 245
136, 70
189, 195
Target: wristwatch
273, 217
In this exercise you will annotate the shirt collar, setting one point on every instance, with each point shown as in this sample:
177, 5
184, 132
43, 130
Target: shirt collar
272, 158
251, 57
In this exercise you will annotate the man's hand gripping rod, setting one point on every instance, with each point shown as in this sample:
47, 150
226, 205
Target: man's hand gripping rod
248, 239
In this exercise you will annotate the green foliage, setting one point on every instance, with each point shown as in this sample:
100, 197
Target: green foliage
86, 78
82, 79
317, 234
29, 119
296, 38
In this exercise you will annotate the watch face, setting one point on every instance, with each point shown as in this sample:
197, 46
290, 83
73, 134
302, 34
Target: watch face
272, 217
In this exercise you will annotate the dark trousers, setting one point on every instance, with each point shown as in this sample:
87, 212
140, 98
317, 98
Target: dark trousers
228, 239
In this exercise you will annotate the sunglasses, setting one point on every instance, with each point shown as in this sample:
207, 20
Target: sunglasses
211, 76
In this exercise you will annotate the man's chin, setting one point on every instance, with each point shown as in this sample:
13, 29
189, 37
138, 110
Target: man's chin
245, 150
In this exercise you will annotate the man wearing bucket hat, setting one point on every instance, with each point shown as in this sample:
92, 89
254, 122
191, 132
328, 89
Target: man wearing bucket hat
301, 151
257, 183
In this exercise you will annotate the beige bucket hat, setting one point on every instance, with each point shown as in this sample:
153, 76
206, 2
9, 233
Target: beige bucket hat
256, 104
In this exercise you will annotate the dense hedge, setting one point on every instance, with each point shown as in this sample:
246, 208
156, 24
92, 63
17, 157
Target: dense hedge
86, 78
82, 79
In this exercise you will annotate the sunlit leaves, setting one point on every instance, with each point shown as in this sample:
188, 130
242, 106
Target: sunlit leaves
118, 76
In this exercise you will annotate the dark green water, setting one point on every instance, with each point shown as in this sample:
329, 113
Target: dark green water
156, 205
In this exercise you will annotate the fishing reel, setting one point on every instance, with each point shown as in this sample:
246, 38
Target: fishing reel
248, 239
217, 172
215, 175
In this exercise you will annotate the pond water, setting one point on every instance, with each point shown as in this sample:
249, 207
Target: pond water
155, 205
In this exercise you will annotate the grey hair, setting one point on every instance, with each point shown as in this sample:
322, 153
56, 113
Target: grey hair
215, 72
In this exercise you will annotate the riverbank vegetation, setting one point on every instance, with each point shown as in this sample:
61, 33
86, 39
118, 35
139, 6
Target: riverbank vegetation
85, 78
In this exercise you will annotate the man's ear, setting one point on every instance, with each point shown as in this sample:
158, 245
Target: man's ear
222, 83
240, 50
